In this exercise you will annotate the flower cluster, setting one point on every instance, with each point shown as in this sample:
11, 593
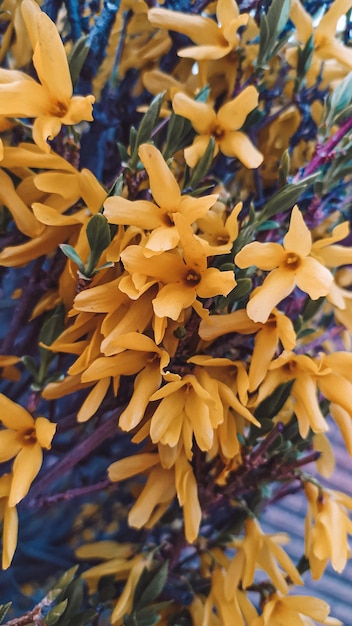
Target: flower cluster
179, 276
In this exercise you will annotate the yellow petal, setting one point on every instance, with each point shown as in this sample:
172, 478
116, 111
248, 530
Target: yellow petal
214, 283
265, 344
266, 256
344, 422
202, 30
45, 431
298, 238
146, 383
313, 278
49, 56
232, 115
172, 299
277, 286
237, 144
328, 24
163, 185
206, 52
139, 213
9, 536
9, 445
93, 400
50, 217
226, 11
23, 98
25, 468
159, 488
194, 152
14, 416
302, 21
130, 466
45, 127
313, 607
23, 217
79, 108
201, 115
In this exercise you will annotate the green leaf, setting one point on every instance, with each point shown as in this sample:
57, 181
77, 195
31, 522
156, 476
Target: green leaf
338, 100
285, 198
71, 253
53, 326
3, 610
311, 308
242, 289
77, 57
149, 586
304, 59
83, 618
271, 25
30, 364
99, 238
179, 134
52, 617
271, 405
203, 165
146, 127
65, 580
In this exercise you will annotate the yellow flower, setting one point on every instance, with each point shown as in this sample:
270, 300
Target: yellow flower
159, 217
181, 280
117, 559
258, 550
214, 40
23, 438
7, 369
235, 610
290, 265
267, 336
8, 515
224, 126
327, 527
50, 101
337, 57
292, 611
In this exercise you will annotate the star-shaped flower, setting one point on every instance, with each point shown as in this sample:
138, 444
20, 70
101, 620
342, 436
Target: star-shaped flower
49, 101
290, 264
23, 438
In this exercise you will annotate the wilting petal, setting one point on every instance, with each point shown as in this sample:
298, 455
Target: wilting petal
25, 468
266, 256
237, 144
201, 115
232, 115
10, 532
298, 238
313, 278
277, 286
14, 416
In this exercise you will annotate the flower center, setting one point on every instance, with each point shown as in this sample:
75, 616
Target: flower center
218, 132
28, 437
58, 109
292, 261
192, 278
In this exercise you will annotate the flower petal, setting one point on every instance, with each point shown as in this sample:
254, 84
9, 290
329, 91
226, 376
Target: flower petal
23, 98
298, 238
13, 415
232, 115
202, 30
313, 278
277, 286
140, 213
266, 256
163, 185
172, 299
10, 532
201, 115
44, 128
237, 144
10, 445
25, 468
45, 431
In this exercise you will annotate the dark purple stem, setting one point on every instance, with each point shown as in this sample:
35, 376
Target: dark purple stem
324, 152
103, 432
70, 494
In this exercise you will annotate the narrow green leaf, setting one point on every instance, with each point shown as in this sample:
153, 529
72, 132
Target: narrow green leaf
242, 289
77, 57
203, 165
30, 364
149, 586
286, 197
98, 233
52, 617
270, 407
71, 253
65, 580
83, 618
146, 127
3, 610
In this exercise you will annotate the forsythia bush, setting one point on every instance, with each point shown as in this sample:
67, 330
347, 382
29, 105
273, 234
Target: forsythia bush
176, 311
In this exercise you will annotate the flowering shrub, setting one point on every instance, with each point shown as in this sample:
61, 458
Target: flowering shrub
176, 314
